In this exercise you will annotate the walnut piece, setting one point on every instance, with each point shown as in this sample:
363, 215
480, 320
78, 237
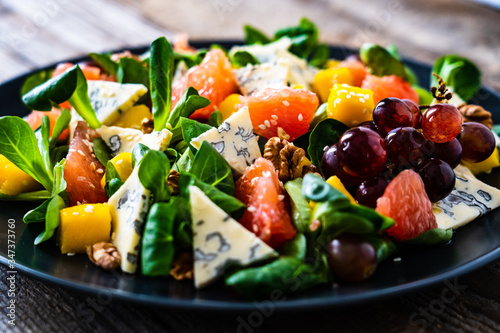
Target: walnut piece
290, 161
182, 267
147, 126
173, 181
104, 255
476, 113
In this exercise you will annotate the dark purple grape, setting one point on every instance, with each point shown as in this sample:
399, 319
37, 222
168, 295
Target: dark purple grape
403, 146
370, 190
330, 167
450, 152
438, 177
369, 124
391, 113
477, 141
415, 111
351, 257
361, 152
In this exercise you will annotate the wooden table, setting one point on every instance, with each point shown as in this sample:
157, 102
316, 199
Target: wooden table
36, 33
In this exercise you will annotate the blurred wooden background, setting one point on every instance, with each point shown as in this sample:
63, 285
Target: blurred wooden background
35, 33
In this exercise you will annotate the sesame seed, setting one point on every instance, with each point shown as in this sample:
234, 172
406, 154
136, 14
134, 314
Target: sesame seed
347, 96
352, 93
255, 228
346, 85
274, 122
325, 148
92, 186
251, 209
72, 150
362, 100
343, 91
301, 117
266, 122
70, 254
100, 171
89, 209
76, 213
397, 259
337, 101
367, 96
119, 162
266, 173
81, 152
92, 165
93, 155
262, 126
281, 197
275, 117
285, 103
360, 95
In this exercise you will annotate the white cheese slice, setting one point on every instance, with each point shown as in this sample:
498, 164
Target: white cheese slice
220, 241
469, 199
129, 208
267, 75
111, 99
234, 140
264, 53
300, 72
121, 140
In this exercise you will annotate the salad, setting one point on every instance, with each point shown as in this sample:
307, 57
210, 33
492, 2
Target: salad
266, 166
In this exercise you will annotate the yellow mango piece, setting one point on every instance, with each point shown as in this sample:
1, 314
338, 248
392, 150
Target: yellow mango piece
123, 165
332, 63
324, 80
14, 180
350, 105
83, 225
229, 105
485, 166
335, 182
134, 117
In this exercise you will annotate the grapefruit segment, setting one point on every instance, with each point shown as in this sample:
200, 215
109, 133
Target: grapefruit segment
405, 201
267, 215
389, 86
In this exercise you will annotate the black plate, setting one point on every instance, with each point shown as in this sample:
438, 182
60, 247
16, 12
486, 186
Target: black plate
472, 246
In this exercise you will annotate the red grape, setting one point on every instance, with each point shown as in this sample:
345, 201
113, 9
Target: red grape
403, 146
441, 123
450, 152
361, 152
391, 113
351, 257
438, 177
369, 124
415, 110
370, 190
330, 167
477, 141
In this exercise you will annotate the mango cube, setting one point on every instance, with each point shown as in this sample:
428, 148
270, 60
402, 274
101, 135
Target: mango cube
324, 80
14, 180
229, 105
335, 182
82, 226
484, 166
350, 105
133, 118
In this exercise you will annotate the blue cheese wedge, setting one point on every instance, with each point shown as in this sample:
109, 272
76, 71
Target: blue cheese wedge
111, 99
121, 140
220, 241
267, 75
234, 140
470, 199
301, 73
264, 53
129, 208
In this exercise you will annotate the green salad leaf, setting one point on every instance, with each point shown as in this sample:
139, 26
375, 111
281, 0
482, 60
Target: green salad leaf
325, 134
190, 59
304, 37
160, 78
380, 61
61, 124
189, 102
432, 237
104, 61
51, 219
34, 80
319, 56
132, 71
42, 136
70, 86
192, 129
102, 151
458, 73
301, 211
255, 36
242, 58
383, 246
153, 172
28, 196
158, 247
37, 215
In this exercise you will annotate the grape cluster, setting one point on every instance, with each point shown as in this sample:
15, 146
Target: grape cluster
400, 137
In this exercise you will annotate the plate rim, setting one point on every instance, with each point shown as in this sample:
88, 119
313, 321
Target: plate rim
244, 305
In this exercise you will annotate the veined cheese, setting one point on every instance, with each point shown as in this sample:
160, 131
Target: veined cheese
264, 53
129, 208
219, 241
300, 72
111, 99
124, 140
234, 140
267, 75
469, 199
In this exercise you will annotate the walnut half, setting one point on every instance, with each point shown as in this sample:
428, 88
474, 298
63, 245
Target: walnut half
182, 267
290, 161
104, 255
476, 113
